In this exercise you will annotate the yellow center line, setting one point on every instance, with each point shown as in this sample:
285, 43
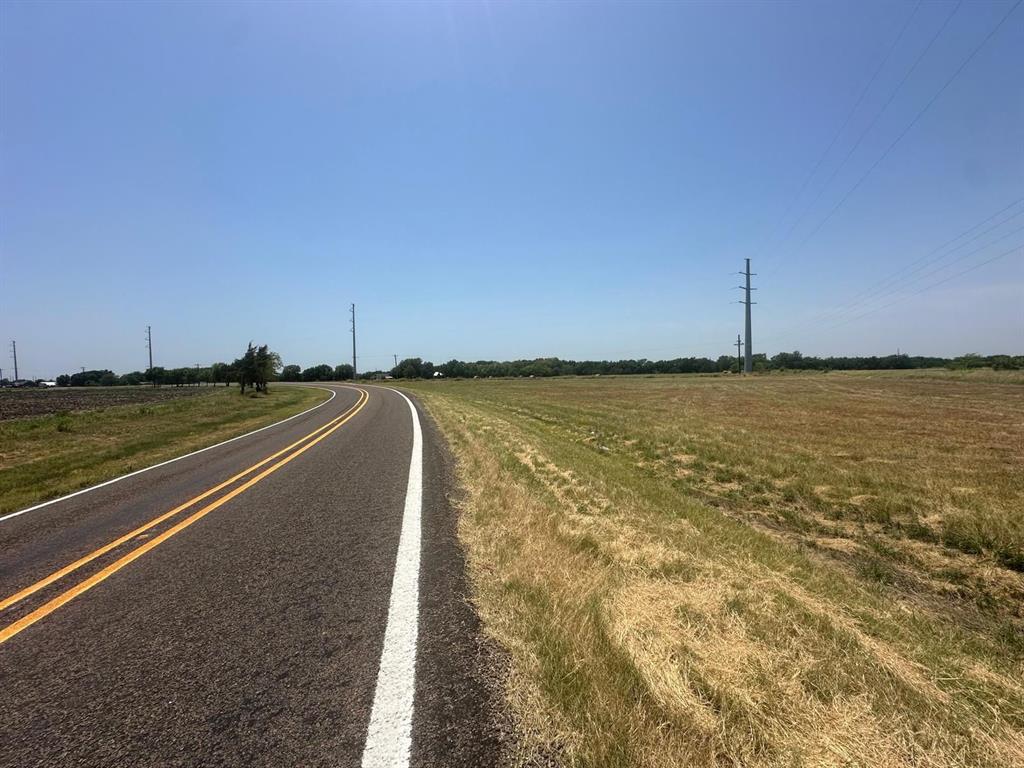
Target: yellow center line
56, 575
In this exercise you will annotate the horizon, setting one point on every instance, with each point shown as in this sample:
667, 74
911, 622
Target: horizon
507, 182
759, 357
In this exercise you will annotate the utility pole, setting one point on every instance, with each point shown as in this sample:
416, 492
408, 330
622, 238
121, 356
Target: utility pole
14, 354
149, 345
396, 361
739, 354
748, 348
353, 342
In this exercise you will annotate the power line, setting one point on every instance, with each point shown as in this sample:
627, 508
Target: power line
930, 274
958, 259
884, 287
874, 121
911, 124
924, 258
841, 322
846, 122
979, 265
897, 287
908, 270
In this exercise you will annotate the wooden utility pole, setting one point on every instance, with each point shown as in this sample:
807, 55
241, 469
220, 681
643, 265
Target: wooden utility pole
353, 342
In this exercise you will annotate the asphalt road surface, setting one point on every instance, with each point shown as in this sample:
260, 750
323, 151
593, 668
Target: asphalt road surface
294, 597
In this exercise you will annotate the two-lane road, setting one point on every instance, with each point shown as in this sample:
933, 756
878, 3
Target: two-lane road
294, 597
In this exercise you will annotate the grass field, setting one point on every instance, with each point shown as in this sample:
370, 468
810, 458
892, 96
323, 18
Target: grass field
46, 456
787, 570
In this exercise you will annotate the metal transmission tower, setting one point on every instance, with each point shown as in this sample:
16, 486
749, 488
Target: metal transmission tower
14, 354
353, 310
739, 354
748, 357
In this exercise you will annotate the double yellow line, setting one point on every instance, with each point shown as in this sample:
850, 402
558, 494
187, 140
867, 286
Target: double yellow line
14, 628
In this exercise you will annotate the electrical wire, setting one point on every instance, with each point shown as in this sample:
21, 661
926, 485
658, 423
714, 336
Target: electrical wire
874, 120
901, 274
979, 265
846, 122
931, 102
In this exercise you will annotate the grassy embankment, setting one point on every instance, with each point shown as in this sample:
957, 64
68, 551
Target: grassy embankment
774, 571
46, 456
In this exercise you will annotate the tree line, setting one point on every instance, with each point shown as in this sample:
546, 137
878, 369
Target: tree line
417, 368
322, 372
259, 366
255, 369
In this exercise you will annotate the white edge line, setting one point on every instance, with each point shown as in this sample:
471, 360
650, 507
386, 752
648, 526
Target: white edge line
9, 515
389, 735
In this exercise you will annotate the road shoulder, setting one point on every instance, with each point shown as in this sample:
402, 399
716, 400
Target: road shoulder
460, 717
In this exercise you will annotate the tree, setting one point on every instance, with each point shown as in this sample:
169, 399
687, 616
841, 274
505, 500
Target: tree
267, 365
246, 367
92, 379
727, 362
322, 372
410, 368
257, 368
63, 380
343, 372
786, 360
220, 372
291, 373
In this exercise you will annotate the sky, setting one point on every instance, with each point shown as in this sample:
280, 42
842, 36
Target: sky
497, 180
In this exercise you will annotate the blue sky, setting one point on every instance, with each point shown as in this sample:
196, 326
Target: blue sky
503, 180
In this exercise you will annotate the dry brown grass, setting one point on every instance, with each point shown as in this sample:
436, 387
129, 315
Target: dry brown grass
778, 571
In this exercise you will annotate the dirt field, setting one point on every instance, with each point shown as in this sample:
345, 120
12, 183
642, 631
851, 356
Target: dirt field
39, 401
785, 570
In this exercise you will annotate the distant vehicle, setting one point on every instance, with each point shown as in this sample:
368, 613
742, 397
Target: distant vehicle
438, 375
44, 383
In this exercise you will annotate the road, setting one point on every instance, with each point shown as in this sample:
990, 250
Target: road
294, 597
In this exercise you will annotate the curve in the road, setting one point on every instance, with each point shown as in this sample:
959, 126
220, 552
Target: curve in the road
119, 478
389, 736
12, 629
321, 617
